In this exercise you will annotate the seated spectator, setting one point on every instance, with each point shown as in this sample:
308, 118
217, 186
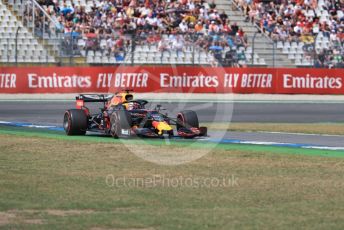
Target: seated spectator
253, 14
199, 28
212, 60
91, 41
307, 38
212, 5
178, 44
275, 35
239, 41
228, 60
226, 29
223, 17
153, 38
183, 27
164, 45
234, 29
110, 44
230, 42
213, 28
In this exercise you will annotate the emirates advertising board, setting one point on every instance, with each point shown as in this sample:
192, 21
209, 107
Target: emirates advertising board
31, 80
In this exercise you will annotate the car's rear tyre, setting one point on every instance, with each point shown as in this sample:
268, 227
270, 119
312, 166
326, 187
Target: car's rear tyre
187, 119
75, 122
120, 119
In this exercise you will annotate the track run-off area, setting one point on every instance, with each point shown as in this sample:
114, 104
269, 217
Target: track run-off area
44, 117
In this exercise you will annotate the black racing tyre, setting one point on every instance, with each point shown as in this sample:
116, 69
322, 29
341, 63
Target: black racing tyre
75, 122
187, 119
120, 119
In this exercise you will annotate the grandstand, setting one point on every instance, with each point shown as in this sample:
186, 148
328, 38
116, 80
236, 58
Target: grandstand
29, 49
221, 32
309, 33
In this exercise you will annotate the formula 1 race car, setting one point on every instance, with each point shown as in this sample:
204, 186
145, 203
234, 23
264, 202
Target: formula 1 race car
122, 116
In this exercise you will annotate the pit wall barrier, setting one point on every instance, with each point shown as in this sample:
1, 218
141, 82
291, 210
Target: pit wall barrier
38, 80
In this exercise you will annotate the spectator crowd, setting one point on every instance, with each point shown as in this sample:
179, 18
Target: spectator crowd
172, 25
318, 24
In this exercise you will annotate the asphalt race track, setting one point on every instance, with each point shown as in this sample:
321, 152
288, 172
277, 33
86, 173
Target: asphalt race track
51, 113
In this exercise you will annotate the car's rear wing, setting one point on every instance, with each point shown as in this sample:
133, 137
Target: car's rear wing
94, 97
82, 98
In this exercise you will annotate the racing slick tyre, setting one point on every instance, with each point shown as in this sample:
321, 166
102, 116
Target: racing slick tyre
75, 122
187, 119
120, 120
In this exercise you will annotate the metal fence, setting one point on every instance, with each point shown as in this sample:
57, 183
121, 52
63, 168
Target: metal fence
69, 49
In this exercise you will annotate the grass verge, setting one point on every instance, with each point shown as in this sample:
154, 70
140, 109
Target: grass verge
46, 183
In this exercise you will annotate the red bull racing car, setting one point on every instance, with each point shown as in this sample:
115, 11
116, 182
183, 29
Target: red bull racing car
122, 116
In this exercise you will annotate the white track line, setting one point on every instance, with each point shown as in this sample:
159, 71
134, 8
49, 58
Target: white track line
300, 134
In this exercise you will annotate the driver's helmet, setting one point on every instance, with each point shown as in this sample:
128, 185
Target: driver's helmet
127, 97
121, 98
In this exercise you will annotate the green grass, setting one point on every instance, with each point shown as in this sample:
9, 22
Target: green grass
59, 183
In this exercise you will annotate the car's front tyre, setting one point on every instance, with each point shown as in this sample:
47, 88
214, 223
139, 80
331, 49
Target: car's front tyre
187, 119
120, 120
